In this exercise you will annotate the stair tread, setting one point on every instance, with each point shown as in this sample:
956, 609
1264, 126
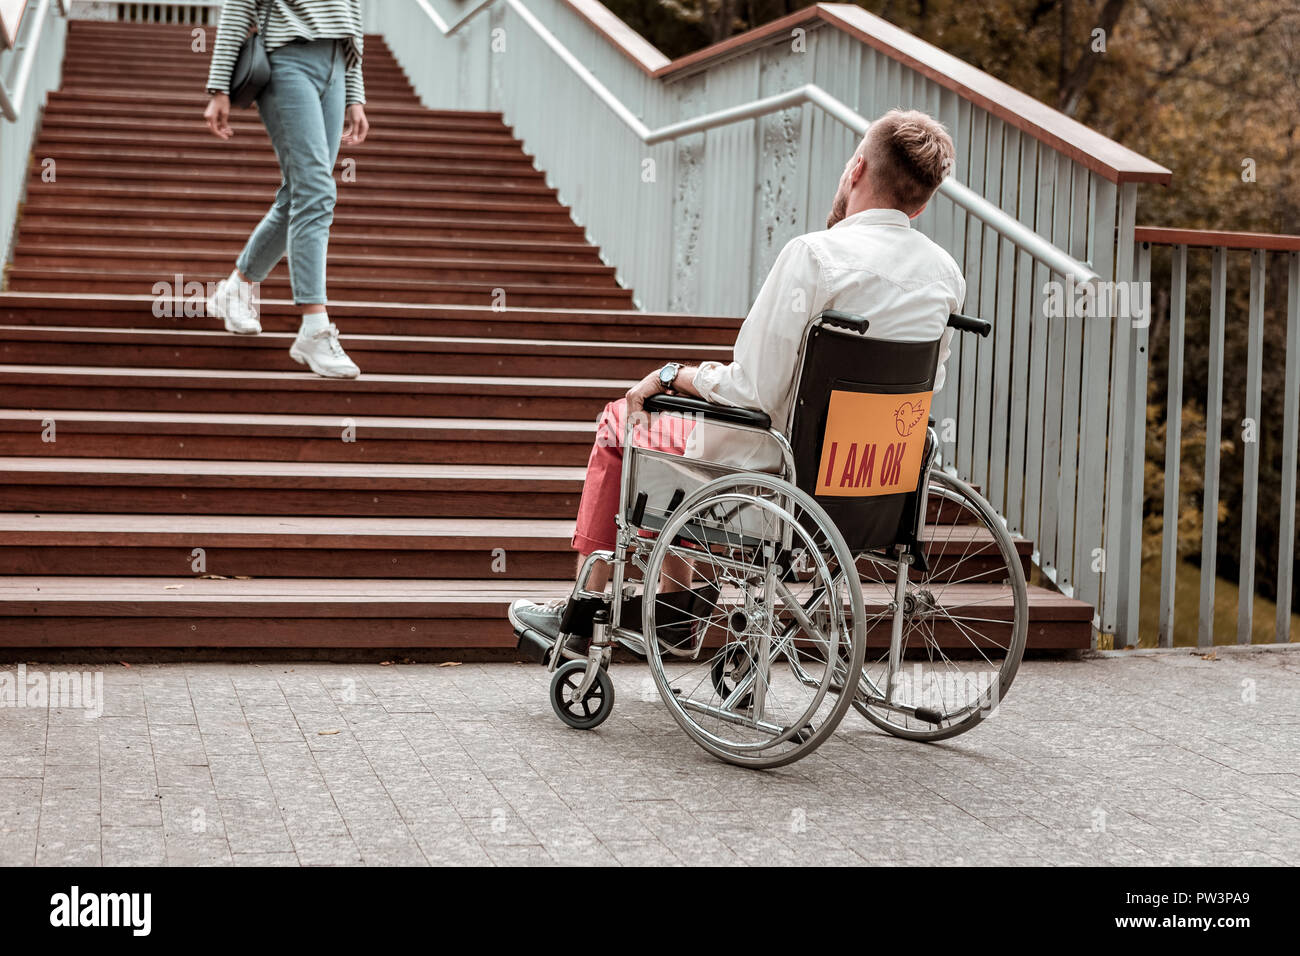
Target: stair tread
197, 422
254, 379
99, 301
68, 589
16, 468
280, 340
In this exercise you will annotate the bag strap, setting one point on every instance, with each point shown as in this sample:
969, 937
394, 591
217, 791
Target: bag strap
261, 26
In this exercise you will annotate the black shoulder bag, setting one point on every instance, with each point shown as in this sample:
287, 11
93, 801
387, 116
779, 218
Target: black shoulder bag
252, 69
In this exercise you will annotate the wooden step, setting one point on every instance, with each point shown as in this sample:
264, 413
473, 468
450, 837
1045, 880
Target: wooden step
375, 318
483, 291
205, 436
344, 268
404, 354
127, 240
357, 489
176, 390
284, 546
467, 614
179, 218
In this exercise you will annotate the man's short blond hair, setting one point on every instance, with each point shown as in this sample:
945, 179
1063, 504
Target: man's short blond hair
908, 154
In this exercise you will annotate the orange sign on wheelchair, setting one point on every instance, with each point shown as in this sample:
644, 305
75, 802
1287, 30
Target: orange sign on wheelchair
873, 443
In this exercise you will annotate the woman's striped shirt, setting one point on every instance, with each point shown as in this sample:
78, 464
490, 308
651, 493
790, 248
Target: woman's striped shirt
281, 22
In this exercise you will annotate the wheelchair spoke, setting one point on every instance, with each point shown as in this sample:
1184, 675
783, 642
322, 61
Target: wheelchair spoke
955, 658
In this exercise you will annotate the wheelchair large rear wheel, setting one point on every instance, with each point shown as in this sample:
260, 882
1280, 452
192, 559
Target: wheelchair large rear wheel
964, 621
772, 578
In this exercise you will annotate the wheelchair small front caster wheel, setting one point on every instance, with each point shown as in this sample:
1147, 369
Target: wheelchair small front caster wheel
591, 711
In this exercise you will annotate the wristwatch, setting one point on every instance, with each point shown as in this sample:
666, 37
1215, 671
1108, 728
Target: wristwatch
668, 375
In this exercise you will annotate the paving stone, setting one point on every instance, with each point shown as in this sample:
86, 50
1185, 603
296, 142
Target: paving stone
323, 764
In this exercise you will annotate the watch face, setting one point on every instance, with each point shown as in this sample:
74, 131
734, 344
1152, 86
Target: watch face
667, 374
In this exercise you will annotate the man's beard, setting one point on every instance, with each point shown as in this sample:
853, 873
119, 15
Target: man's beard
839, 206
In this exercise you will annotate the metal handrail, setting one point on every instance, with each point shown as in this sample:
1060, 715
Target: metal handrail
25, 50
1008, 226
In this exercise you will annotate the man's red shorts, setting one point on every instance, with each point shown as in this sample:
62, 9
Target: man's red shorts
596, 528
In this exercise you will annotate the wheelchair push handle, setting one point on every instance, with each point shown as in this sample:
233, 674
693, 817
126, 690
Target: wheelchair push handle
968, 323
844, 320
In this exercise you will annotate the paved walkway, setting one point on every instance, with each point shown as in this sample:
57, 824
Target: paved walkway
1144, 759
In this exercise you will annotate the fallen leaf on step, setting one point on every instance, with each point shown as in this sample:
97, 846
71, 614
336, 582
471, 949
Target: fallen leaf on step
326, 733
172, 587
214, 577
450, 664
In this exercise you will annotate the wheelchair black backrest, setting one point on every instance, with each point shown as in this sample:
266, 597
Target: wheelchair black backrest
859, 428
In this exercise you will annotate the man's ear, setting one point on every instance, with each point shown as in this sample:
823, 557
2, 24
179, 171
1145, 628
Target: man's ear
918, 211
858, 169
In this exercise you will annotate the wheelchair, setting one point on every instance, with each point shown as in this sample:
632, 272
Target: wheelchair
859, 572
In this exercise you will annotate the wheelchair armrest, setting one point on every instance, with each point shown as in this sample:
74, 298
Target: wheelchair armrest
687, 405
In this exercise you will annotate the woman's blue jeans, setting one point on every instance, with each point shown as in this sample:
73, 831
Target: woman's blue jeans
302, 108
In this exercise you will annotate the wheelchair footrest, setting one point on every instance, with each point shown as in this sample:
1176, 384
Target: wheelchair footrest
533, 645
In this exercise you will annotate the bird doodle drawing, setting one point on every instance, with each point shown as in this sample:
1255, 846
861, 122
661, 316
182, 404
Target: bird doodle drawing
907, 416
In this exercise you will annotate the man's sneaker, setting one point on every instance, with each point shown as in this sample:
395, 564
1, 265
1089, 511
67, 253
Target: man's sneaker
234, 306
543, 617
321, 352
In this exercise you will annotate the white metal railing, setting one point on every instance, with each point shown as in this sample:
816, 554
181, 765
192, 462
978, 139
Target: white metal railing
692, 183
27, 72
1224, 320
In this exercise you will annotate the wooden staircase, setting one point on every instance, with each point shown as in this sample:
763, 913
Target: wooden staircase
166, 484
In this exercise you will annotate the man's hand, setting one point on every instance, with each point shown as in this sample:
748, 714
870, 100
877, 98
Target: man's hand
355, 126
218, 116
638, 393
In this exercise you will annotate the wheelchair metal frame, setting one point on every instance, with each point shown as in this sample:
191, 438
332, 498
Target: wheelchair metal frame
632, 547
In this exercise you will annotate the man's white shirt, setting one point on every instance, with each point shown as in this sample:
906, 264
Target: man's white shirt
871, 264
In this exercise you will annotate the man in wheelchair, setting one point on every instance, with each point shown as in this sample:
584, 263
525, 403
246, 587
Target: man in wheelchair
868, 262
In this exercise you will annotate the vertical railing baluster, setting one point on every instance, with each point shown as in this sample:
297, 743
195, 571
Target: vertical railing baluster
970, 384
1036, 464
1004, 333
1250, 451
1018, 471
1213, 436
1173, 444
1290, 440
1123, 580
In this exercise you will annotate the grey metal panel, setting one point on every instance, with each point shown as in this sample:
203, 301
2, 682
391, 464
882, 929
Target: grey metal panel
1213, 433
1290, 440
1005, 328
1071, 398
1058, 478
956, 116
954, 385
1036, 413
729, 191
1250, 465
1097, 385
993, 169
966, 417
1022, 359
1173, 442
1124, 582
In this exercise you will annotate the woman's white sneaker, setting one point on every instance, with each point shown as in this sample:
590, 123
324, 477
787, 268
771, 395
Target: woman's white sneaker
232, 302
322, 353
